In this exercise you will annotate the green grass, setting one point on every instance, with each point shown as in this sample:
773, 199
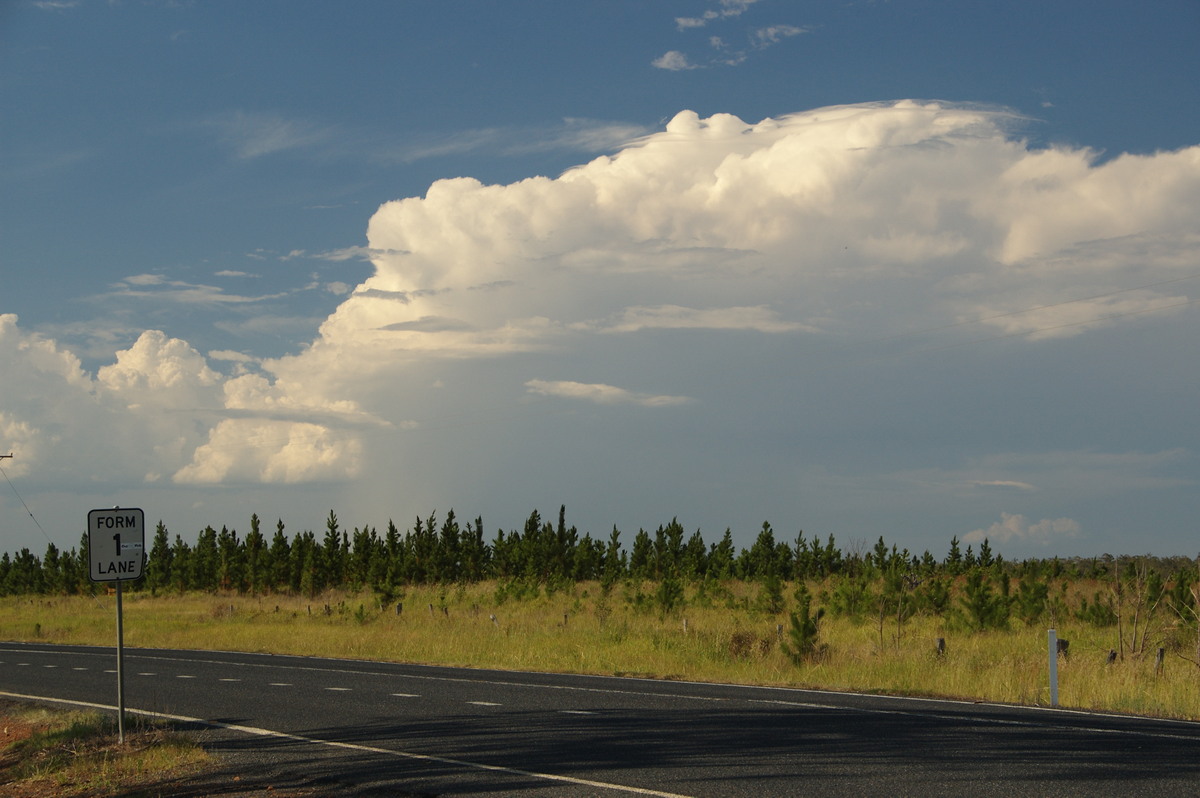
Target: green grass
579, 631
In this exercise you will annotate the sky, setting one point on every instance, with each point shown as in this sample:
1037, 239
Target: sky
916, 269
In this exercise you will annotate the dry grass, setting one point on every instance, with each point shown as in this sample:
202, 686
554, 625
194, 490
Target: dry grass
579, 631
65, 753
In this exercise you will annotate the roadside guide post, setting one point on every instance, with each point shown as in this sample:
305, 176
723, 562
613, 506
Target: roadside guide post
116, 553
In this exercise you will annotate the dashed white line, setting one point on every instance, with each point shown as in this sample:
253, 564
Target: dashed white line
576, 712
485, 703
228, 680
339, 689
147, 674
184, 676
79, 669
279, 684
406, 695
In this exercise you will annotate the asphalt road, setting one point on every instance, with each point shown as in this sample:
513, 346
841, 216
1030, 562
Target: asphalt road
373, 728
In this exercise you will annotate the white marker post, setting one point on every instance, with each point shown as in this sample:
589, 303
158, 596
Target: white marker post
116, 553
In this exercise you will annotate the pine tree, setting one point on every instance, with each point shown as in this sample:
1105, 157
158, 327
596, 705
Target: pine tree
721, 558
231, 564
803, 641
953, 562
280, 559
205, 562
257, 558
641, 559
158, 569
181, 566
52, 575
449, 550
332, 563
695, 558
474, 550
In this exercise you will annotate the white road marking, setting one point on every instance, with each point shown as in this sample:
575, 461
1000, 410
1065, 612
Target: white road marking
228, 680
79, 669
279, 684
576, 712
49, 666
406, 695
339, 689
184, 676
147, 674
365, 748
485, 703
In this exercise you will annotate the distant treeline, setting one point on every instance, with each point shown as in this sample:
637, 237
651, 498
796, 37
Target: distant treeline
547, 553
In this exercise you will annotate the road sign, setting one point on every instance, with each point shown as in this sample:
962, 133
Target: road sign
116, 544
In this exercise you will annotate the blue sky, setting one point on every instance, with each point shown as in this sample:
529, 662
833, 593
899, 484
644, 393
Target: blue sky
910, 269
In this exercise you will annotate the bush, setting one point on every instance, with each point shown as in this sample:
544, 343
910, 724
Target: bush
802, 641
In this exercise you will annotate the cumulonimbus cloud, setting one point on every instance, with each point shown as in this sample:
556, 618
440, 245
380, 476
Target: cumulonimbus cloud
849, 222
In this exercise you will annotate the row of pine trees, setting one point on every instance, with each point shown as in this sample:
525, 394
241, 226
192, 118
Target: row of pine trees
547, 553
448, 552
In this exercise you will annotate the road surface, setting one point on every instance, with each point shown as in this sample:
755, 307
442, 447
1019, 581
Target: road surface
382, 728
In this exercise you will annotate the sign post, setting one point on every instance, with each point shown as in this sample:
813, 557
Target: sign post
116, 553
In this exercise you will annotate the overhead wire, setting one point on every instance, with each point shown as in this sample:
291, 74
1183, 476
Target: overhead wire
23, 504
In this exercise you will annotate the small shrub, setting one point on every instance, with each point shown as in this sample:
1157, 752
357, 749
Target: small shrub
802, 641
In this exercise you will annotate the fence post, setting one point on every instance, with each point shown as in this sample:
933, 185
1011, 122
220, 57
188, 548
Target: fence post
1053, 641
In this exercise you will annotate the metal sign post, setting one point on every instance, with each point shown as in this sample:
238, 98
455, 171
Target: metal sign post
117, 553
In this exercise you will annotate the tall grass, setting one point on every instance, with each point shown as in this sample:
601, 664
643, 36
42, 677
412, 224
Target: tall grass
580, 629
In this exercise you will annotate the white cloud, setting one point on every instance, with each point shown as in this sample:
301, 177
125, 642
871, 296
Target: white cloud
159, 289
773, 34
759, 38
728, 9
683, 23
272, 452
674, 317
601, 394
573, 134
253, 134
1003, 483
673, 61
1015, 528
144, 279
162, 371
229, 355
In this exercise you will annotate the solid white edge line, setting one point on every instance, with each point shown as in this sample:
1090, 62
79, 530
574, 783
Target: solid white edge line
353, 746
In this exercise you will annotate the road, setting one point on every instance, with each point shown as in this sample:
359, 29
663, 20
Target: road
381, 728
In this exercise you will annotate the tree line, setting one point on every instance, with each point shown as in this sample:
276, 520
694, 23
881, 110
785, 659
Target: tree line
881, 582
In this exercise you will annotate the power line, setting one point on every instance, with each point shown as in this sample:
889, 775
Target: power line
21, 500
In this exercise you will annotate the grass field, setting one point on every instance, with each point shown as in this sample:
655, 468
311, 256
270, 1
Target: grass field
580, 630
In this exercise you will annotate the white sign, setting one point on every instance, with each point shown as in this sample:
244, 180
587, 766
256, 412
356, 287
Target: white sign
116, 544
